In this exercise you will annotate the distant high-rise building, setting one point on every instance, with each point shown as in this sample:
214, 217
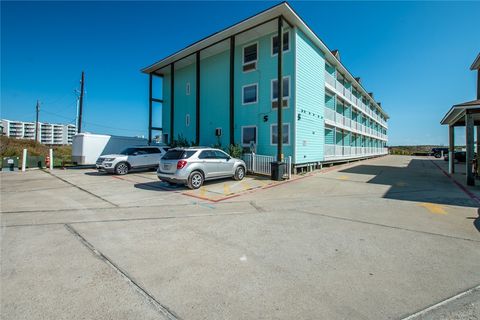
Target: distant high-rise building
49, 133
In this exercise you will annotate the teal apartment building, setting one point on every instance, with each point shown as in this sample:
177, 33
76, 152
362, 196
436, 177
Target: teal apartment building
223, 90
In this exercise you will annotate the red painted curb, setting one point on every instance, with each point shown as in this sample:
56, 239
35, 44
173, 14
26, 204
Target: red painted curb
458, 184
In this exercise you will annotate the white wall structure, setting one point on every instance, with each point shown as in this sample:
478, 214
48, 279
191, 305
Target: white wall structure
49, 133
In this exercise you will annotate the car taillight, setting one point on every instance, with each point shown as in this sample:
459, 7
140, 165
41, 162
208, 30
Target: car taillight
181, 164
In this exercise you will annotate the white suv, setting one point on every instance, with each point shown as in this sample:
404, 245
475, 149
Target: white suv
143, 157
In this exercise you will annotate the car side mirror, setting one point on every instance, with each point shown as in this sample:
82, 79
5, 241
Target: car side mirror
135, 153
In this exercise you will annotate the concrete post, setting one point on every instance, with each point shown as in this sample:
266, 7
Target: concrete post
469, 144
24, 160
451, 149
51, 159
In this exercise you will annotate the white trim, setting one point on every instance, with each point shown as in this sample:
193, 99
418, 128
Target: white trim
271, 134
241, 135
256, 96
243, 53
284, 51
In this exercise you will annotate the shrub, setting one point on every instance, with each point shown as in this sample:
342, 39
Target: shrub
235, 150
181, 142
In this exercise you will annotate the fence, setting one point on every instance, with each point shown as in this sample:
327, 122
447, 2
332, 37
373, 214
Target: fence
261, 164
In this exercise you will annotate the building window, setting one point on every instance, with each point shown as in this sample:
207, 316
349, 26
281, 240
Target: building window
249, 135
187, 120
250, 57
286, 43
286, 92
187, 89
250, 94
285, 134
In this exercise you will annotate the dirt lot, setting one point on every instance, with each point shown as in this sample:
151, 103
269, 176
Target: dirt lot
378, 239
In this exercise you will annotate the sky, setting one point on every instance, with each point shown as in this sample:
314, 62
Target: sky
414, 56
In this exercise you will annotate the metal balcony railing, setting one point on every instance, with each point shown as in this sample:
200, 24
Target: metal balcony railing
334, 152
336, 119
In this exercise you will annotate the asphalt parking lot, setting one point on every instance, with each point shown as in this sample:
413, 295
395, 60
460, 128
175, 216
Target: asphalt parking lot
385, 238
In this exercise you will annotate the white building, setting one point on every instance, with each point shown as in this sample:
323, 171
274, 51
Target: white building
49, 133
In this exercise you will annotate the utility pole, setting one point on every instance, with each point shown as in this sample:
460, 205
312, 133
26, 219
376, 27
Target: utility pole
36, 121
80, 104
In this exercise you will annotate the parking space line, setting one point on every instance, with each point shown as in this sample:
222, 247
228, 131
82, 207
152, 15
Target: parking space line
226, 189
420, 314
246, 185
433, 208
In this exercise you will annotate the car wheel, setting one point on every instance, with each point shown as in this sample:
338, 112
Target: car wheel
239, 173
195, 180
122, 168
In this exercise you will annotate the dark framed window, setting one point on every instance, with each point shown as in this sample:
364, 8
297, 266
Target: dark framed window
285, 133
286, 88
286, 43
249, 134
250, 53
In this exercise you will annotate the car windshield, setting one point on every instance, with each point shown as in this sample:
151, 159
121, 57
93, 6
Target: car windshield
128, 151
177, 154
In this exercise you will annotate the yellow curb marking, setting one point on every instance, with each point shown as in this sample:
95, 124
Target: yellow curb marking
246, 185
202, 191
433, 208
401, 184
226, 189
343, 178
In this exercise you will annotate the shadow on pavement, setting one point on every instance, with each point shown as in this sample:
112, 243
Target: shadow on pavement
96, 173
160, 186
419, 181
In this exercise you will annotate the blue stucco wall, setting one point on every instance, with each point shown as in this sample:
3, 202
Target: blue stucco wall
261, 114
185, 103
310, 88
215, 99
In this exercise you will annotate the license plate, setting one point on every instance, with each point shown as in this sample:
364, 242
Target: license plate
167, 166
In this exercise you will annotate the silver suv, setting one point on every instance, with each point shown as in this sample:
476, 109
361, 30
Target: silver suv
143, 157
192, 166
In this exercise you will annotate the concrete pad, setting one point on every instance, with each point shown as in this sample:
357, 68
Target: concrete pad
48, 274
287, 265
376, 239
37, 190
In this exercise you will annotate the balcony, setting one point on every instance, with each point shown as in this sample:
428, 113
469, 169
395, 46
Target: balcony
335, 152
335, 119
354, 101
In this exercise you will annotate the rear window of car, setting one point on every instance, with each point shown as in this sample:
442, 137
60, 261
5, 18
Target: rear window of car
178, 154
